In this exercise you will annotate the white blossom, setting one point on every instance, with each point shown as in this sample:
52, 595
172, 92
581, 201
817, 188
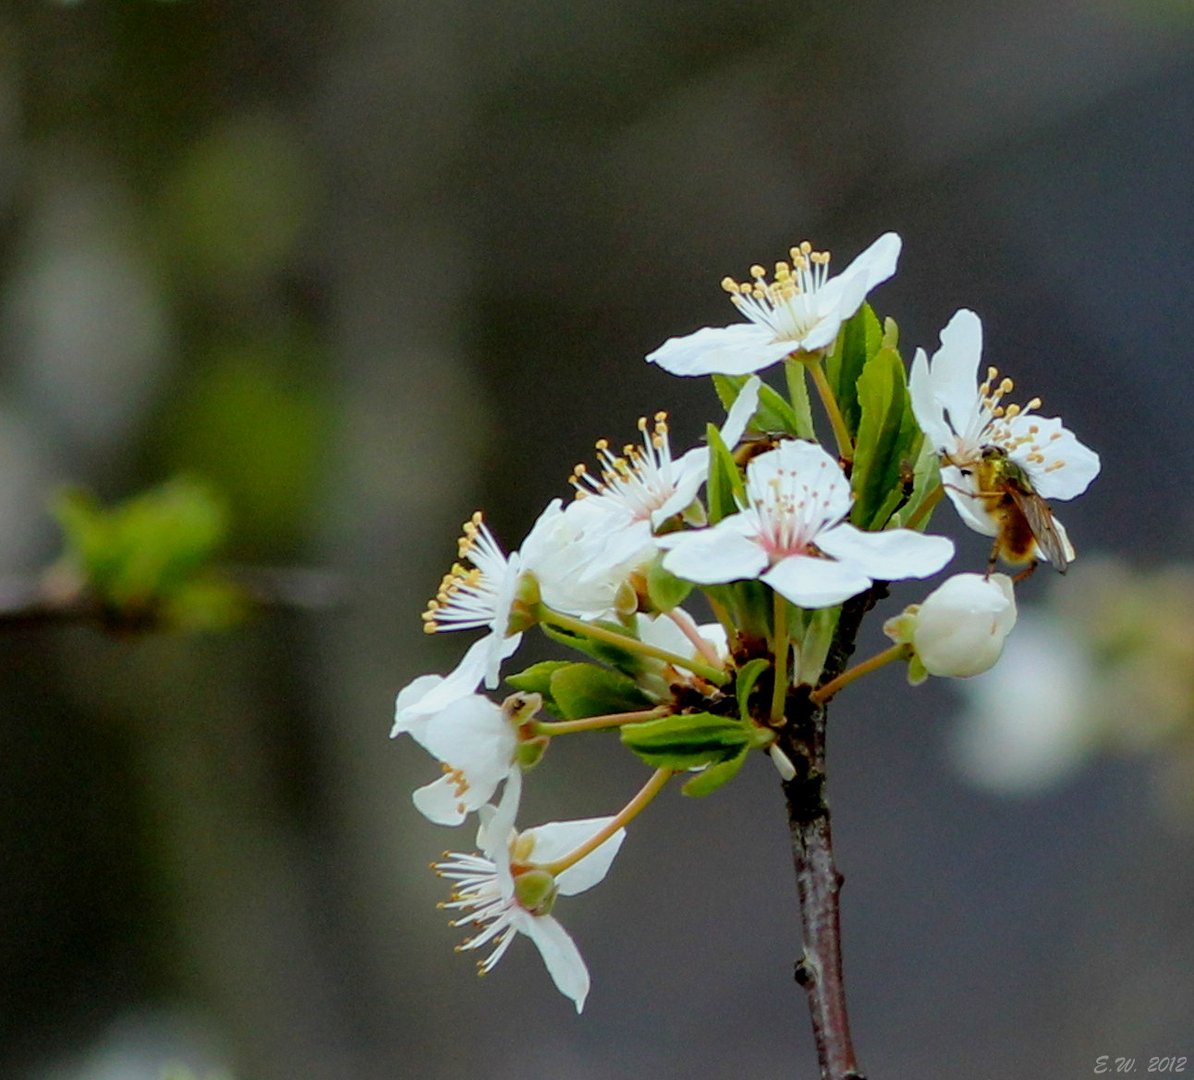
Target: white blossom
791, 535
507, 889
470, 735
801, 310
961, 417
637, 490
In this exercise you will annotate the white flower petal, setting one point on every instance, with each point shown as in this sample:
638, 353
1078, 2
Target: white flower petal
475, 737
970, 509
887, 556
439, 802
926, 408
715, 555
810, 582
407, 712
744, 407
955, 371
741, 349
560, 955
1057, 464
876, 263
556, 839
808, 470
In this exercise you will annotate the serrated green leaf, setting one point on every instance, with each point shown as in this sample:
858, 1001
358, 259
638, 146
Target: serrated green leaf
859, 339
687, 741
728, 388
724, 487
883, 436
708, 780
583, 690
796, 374
665, 590
748, 675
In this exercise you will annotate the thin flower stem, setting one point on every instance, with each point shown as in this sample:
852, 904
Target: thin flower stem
723, 616
689, 629
596, 723
781, 647
626, 815
713, 674
926, 507
841, 433
822, 694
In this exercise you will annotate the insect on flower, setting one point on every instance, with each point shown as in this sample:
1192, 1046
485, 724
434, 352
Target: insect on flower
1025, 523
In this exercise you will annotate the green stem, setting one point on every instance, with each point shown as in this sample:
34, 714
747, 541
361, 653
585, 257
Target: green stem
627, 814
623, 641
822, 694
841, 433
781, 647
596, 723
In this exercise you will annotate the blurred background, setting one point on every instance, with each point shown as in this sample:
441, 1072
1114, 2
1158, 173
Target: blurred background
367, 266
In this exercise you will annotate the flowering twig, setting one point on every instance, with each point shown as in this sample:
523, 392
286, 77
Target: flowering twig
818, 881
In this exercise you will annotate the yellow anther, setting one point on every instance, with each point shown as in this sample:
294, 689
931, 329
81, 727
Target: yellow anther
805, 247
731, 286
757, 271
1035, 403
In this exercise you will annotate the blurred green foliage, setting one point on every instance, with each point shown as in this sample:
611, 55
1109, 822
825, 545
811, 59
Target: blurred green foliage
147, 562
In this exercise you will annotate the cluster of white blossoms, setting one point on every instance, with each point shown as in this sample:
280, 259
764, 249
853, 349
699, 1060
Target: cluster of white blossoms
773, 533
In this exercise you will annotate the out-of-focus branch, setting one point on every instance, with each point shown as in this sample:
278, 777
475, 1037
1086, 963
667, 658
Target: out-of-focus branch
56, 597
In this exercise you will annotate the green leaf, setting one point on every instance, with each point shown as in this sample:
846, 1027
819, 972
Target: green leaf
774, 415
926, 476
748, 675
665, 590
724, 486
858, 341
537, 680
796, 373
711, 778
607, 653
884, 438
687, 741
582, 690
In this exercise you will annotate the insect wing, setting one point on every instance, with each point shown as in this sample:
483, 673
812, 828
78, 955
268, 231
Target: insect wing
1044, 529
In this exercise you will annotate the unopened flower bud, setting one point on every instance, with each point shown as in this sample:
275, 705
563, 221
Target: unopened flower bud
960, 628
